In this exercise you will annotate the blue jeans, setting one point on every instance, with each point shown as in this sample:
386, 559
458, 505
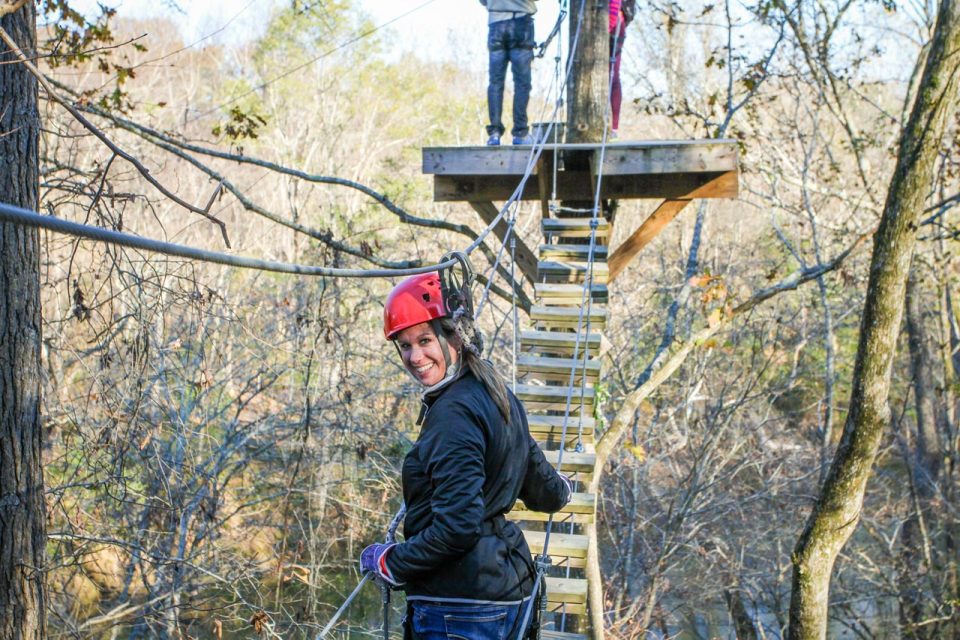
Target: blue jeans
439, 621
510, 42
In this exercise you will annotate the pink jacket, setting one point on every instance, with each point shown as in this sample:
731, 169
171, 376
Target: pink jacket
615, 14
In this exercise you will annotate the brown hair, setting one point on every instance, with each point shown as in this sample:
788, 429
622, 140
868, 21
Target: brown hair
470, 342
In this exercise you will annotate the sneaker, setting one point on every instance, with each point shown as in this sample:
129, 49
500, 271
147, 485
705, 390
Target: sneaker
527, 139
493, 140
613, 135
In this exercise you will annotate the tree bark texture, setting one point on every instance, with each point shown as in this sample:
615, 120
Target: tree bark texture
837, 510
930, 414
917, 548
588, 85
22, 509
739, 614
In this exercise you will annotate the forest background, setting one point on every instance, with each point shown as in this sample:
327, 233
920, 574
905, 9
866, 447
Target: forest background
220, 444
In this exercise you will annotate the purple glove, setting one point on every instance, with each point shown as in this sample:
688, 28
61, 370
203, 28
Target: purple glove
373, 559
569, 485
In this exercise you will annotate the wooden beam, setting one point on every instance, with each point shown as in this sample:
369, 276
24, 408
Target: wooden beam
657, 220
526, 261
575, 185
544, 175
653, 156
652, 226
497, 160
678, 159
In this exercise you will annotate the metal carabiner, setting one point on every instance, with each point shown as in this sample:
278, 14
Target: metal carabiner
455, 287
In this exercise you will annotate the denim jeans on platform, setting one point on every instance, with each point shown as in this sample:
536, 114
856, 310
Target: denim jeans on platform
439, 621
510, 41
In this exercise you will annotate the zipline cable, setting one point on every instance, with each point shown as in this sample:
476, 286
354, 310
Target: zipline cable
17, 215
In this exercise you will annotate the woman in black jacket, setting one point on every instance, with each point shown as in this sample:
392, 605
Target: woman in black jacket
465, 568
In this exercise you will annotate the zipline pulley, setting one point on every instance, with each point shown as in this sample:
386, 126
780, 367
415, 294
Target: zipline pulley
455, 285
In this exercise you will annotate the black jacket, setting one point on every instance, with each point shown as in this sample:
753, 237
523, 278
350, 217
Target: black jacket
465, 471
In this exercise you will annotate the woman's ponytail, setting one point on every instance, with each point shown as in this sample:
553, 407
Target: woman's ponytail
471, 350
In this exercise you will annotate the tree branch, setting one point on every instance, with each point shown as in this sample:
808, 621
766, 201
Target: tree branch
679, 353
8, 7
144, 171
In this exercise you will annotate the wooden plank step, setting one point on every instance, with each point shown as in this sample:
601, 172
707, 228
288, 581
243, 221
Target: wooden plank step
571, 271
568, 317
566, 549
580, 503
549, 442
560, 635
557, 369
541, 426
574, 227
571, 592
573, 461
536, 396
569, 294
554, 424
559, 518
561, 341
573, 252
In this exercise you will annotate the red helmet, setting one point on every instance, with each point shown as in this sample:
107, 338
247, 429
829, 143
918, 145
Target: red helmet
416, 299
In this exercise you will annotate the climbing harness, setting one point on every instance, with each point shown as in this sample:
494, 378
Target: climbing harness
391, 537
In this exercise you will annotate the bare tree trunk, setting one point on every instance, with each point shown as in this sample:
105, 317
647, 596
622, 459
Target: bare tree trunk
930, 414
951, 365
587, 88
916, 548
742, 620
837, 511
22, 508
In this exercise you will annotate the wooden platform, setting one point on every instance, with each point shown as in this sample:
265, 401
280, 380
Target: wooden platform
641, 169
674, 171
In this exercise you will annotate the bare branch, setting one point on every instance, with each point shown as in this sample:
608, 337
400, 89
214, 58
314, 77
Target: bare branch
669, 365
180, 149
8, 7
144, 171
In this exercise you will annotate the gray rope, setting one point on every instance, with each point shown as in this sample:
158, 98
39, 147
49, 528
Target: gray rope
17, 215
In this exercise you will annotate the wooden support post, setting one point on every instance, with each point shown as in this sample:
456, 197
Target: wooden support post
652, 226
718, 187
526, 261
544, 175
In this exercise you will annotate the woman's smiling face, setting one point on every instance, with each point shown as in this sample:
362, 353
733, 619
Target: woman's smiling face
422, 355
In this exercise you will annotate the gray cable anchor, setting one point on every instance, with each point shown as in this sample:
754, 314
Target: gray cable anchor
391, 537
542, 48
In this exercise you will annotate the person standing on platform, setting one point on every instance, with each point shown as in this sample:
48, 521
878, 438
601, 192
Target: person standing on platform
510, 41
621, 14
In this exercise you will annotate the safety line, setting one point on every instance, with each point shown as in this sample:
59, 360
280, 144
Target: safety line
17, 215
